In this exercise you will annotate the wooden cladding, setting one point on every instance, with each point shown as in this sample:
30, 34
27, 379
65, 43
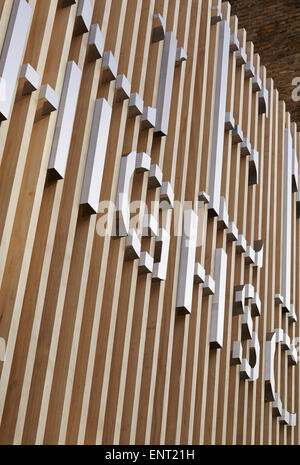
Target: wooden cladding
149, 228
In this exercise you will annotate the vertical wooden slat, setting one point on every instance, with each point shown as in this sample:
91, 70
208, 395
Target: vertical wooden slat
96, 352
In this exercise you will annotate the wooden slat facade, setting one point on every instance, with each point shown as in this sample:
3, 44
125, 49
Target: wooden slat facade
94, 348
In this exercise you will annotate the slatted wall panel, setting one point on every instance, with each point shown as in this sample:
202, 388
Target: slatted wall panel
149, 228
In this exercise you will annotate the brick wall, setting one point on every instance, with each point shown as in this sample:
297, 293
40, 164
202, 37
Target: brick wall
274, 28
